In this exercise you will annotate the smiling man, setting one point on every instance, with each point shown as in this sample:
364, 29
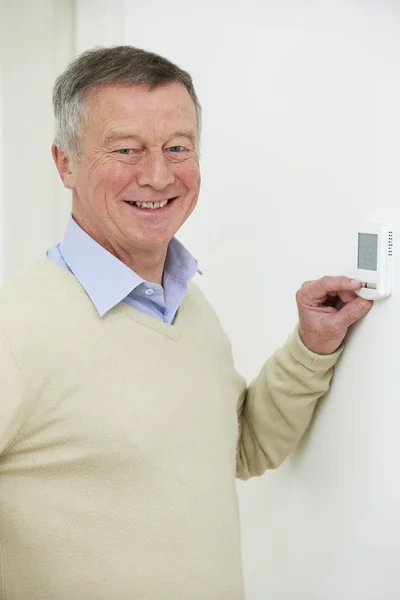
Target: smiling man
123, 420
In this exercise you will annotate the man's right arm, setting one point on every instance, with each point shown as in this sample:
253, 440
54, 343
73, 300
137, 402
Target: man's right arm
12, 394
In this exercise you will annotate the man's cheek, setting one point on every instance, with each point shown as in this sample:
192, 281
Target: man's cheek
117, 177
190, 173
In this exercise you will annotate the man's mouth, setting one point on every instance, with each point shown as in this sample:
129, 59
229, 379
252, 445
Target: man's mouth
151, 205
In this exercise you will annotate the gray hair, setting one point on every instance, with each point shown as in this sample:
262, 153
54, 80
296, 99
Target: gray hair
100, 67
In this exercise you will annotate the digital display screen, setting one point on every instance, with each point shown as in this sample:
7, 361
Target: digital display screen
368, 251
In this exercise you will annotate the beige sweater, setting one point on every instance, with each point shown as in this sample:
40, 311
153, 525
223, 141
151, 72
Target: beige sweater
120, 438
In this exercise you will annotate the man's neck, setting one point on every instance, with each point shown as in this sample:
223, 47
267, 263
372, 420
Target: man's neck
148, 264
150, 270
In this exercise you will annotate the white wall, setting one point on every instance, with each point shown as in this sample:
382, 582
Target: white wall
35, 45
301, 142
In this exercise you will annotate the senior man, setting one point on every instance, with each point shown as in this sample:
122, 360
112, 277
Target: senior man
123, 420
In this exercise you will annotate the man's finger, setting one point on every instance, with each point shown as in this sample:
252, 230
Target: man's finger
352, 312
347, 296
338, 284
319, 290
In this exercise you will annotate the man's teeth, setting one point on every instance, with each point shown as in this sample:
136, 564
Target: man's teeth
149, 204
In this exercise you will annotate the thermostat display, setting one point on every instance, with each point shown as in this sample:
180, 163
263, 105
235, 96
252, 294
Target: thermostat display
368, 251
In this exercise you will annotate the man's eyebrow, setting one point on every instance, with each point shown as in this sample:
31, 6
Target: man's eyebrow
113, 136
187, 134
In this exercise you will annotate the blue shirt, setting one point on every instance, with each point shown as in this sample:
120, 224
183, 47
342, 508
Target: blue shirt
108, 281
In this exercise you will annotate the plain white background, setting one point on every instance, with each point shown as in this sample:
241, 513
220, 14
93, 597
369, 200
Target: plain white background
36, 42
300, 145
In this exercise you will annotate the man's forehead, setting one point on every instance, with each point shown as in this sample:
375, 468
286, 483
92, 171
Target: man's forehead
132, 109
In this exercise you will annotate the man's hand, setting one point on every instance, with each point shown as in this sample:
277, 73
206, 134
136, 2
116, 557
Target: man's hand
327, 307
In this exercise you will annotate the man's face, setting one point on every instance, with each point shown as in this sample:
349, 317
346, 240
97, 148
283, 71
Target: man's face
139, 146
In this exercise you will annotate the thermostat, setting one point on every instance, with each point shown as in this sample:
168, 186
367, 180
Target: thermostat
375, 261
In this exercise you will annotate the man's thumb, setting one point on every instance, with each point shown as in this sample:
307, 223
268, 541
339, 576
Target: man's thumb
353, 311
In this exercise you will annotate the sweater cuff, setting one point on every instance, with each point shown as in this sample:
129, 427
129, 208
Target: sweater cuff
310, 360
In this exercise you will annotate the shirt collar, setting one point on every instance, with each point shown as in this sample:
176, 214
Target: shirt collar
105, 278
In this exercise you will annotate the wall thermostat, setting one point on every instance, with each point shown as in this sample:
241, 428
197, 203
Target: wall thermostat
375, 261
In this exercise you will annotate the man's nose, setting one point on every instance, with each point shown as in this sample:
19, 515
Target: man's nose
155, 171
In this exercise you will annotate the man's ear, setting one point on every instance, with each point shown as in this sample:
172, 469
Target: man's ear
65, 166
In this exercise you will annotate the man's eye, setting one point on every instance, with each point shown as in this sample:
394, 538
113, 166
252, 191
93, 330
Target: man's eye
124, 150
176, 149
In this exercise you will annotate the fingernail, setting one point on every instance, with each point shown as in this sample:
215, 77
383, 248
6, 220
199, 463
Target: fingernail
355, 282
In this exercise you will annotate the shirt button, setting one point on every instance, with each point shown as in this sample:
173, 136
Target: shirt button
149, 292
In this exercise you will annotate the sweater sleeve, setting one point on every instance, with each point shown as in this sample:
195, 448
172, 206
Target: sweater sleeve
11, 394
277, 407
